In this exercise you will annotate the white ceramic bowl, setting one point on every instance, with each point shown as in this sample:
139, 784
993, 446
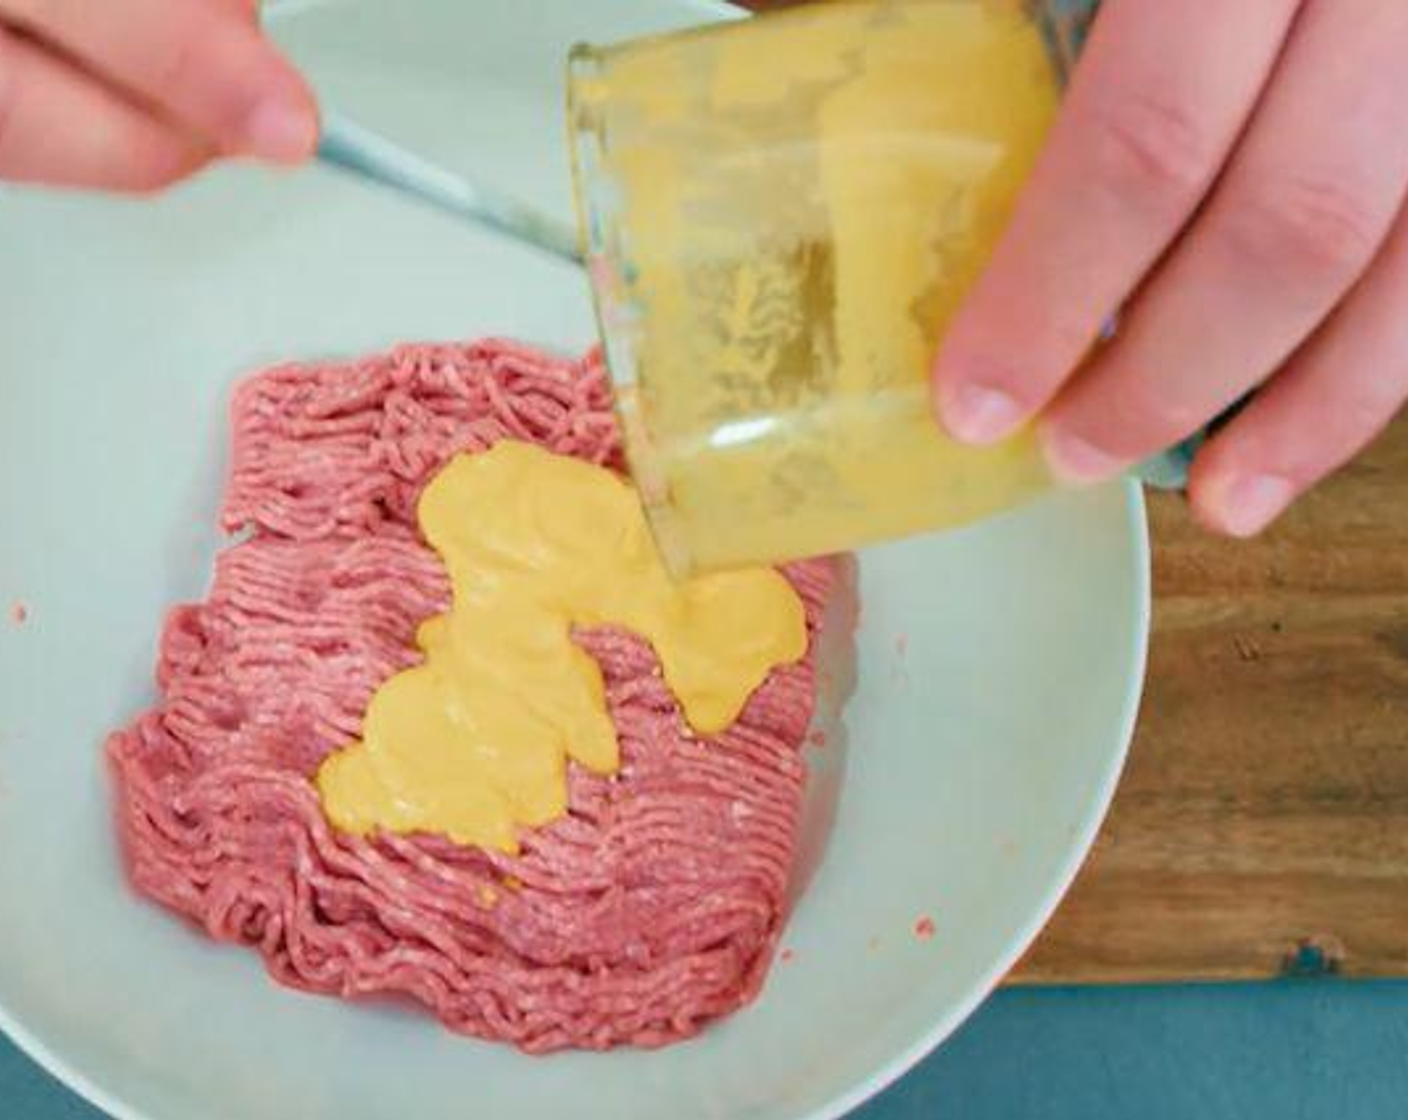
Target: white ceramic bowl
998, 669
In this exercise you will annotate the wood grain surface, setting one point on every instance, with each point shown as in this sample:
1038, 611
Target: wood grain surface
1261, 827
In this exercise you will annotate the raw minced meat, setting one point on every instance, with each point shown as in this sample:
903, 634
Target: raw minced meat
651, 908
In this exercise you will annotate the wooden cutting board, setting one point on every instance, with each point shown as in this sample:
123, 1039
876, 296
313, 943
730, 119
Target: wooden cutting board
1261, 827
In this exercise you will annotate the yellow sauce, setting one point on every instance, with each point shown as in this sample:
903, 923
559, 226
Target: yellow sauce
474, 742
803, 201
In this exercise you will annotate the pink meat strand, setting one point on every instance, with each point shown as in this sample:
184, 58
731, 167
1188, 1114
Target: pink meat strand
652, 907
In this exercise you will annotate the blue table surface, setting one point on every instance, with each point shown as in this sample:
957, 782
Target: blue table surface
1287, 1050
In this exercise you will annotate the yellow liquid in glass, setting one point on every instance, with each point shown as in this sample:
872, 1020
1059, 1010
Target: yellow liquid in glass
784, 215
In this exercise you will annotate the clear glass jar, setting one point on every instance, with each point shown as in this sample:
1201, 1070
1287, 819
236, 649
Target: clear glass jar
781, 215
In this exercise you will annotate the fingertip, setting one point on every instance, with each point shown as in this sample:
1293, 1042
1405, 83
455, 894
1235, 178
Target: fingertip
282, 123
281, 129
1074, 459
274, 115
1240, 503
977, 414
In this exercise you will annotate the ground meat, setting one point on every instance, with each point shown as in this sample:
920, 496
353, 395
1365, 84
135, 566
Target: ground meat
652, 907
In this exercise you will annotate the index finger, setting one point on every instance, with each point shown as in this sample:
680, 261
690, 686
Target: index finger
1154, 108
206, 65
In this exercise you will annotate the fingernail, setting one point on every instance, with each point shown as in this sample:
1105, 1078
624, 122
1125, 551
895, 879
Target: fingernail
1244, 505
1075, 460
281, 131
978, 414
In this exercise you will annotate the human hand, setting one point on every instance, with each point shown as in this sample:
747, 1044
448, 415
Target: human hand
132, 95
1233, 173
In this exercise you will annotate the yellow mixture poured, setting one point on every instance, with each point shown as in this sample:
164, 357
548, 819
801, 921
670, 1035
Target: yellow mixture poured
474, 742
